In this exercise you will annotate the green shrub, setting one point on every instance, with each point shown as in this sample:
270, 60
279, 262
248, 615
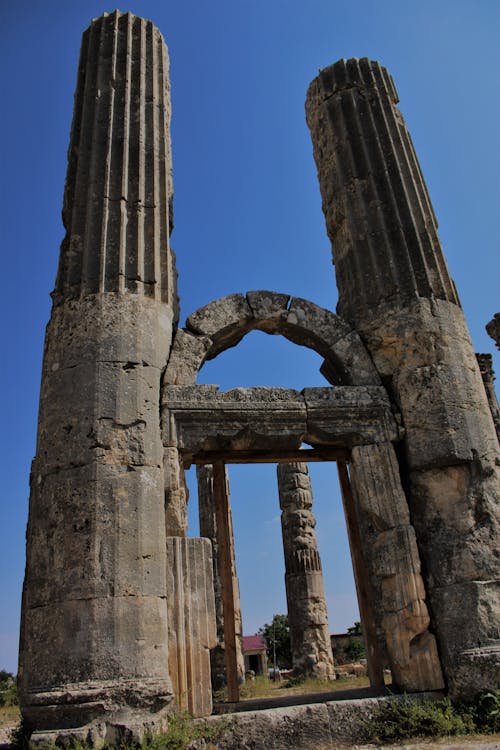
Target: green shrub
485, 711
355, 650
403, 719
8, 689
180, 732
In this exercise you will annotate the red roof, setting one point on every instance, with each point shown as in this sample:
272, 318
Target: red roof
253, 643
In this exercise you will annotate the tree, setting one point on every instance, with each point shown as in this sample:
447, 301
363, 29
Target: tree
355, 629
8, 689
278, 632
355, 649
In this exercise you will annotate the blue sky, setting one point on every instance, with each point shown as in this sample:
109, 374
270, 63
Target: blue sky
247, 210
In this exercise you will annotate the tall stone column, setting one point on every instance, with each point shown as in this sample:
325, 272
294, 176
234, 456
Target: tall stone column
208, 528
305, 593
94, 622
395, 288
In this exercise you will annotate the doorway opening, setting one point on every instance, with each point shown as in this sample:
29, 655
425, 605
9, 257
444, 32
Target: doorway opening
260, 565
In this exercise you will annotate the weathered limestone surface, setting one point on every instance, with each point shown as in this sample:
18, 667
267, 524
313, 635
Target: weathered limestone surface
338, 723
223, 323
395, 289
191, 623
393, 565
176, 494
208, 528
119, 181
94, 654
199, 418
378, 213
305, 593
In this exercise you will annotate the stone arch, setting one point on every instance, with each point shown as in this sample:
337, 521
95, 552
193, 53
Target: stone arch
201, 425
222, 324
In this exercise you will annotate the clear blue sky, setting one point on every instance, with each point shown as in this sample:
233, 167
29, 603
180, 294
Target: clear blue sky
247, 209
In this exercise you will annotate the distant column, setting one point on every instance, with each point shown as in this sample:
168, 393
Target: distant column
305, 594
208, 528
485, 362
396, 290
93, 649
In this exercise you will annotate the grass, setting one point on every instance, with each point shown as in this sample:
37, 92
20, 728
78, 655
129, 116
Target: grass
9, 715
261, 687
392, 722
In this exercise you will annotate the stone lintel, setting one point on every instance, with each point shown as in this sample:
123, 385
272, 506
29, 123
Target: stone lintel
199, 418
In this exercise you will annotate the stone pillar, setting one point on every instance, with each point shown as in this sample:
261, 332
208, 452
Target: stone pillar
392, 562
395, 288
191, 622
208, 528
93, 652
488, 375
305, 593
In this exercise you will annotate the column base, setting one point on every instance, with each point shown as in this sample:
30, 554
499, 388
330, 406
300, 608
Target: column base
101, 712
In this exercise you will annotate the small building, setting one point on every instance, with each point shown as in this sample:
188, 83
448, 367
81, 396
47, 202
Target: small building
255, 653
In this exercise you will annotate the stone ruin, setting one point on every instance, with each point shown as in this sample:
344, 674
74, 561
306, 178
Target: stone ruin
119, 615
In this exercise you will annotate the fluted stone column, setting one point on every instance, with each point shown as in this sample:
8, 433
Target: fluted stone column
395, 288
305, 593
208, 528
94, 622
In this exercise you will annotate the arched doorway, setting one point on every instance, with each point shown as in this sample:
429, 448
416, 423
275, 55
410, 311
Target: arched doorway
350, 422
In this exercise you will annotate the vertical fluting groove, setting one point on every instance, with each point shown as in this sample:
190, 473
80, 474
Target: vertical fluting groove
107, 173
430, 226
179, 610
378, 211
188, 624
346, 169
131, 188
206, 562
150, 235
116, 210
396, 187
198, 585
432, 258
354, 127
82, 183
163, 191
385, 193
92, 222
112, 189
74, 141
154, 120
139, 207
118, 249
405, 191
